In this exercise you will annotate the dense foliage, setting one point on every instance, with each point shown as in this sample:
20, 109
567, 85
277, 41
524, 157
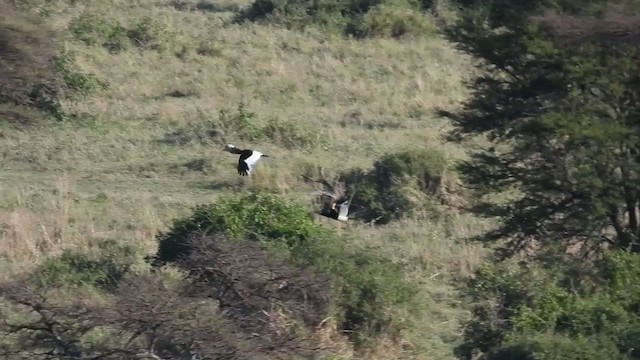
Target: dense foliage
364, 283
398, 185
559, 99
524, 310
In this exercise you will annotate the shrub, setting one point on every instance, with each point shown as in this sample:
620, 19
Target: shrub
394, 20
505, 296
95, 30
150, 33
555, 348
359, 18
241, 122
364, 284
103, 269
77, 82
398, 184
254, 216
521, 308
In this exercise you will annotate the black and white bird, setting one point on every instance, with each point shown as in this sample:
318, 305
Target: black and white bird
338, 208
248, 158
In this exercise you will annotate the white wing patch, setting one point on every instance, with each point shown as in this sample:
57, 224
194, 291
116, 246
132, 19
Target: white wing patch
252, 160
344, 211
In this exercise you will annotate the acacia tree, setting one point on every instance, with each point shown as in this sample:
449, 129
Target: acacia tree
559, 100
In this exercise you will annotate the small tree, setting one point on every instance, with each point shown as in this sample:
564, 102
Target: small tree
148, 316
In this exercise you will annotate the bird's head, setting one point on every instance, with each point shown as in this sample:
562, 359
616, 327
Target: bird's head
229, 147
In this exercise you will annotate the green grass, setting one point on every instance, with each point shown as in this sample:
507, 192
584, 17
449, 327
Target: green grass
108, 174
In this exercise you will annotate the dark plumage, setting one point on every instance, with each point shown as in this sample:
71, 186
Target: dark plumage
247, 160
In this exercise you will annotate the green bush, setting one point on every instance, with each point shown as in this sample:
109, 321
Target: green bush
44, 8
241, 122
554, 347
149, 32
365, 284
362, 18
394, 20
95, 30
254, 216
517, 300
73, 268
398, 184
146, 32
77, 82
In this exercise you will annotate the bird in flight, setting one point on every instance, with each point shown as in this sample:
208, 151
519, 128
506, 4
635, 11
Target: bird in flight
337, 206
248, 158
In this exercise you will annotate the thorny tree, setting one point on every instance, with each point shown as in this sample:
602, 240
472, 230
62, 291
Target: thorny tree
148, 317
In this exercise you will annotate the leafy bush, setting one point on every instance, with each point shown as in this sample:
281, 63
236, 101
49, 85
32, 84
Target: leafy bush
40, 7
361, 18
77, 82
241, 122
94, 29
394, 20
555, 347
397, 184
364, 284
103, 269
150, 33
519, 305
146, 32
253, 216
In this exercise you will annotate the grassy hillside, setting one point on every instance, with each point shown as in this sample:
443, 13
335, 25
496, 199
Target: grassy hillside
131, 157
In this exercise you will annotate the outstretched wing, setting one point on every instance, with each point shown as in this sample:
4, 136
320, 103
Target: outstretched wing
344, 211
243, 168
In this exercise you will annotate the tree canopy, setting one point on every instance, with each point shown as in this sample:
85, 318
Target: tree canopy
559, 100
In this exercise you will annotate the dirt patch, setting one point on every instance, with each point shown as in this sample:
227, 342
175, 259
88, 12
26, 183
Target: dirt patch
28, 78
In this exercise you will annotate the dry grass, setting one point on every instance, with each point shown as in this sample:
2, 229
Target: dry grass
109, 175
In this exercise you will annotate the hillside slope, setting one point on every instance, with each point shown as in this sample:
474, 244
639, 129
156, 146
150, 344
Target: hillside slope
181, 82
